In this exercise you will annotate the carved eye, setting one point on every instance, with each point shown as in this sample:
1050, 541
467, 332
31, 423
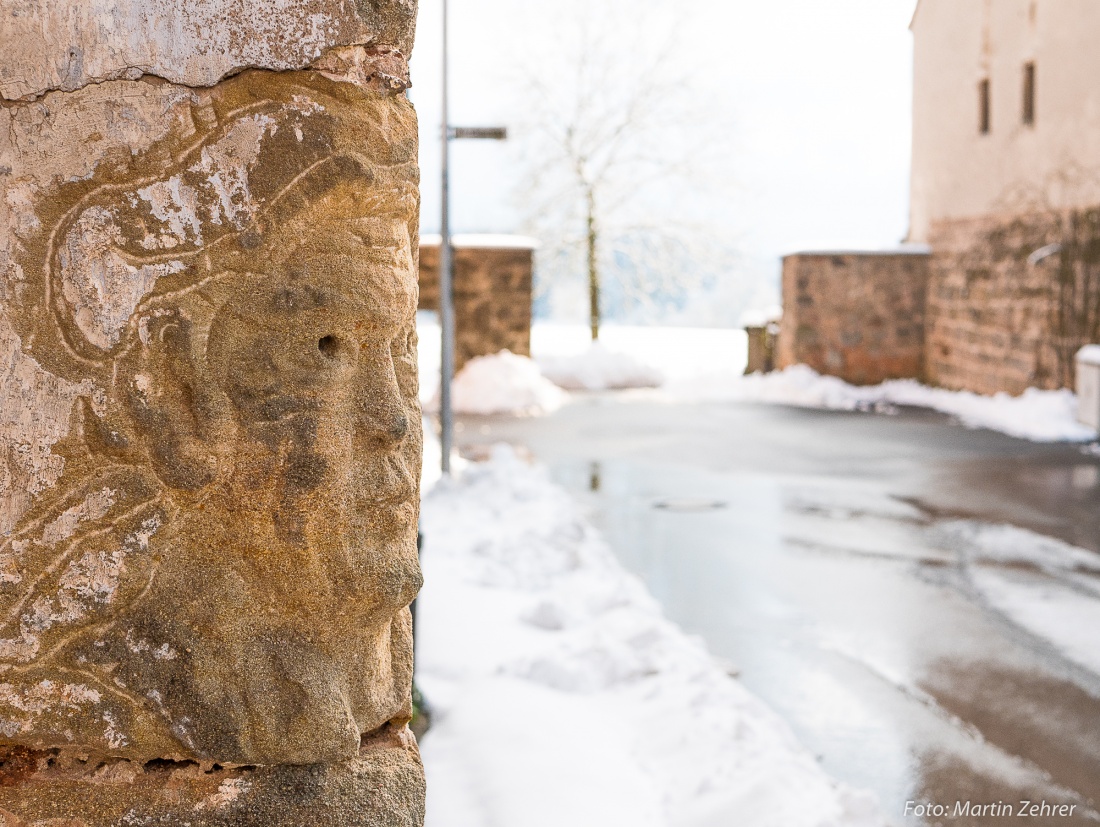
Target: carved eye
329, 346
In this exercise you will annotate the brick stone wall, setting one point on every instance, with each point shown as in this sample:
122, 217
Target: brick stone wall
858, 316
492, 290
997, 322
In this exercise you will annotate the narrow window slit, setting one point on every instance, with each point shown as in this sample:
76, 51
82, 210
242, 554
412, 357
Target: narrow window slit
1029, 94
983, 106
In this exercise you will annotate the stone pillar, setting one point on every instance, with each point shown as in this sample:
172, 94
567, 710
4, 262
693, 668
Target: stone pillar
209, 431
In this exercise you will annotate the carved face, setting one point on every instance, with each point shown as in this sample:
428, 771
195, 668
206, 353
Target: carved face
318, 359
223, 570
314, 510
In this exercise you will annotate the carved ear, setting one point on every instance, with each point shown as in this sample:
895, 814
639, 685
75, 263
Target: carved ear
101, 437
166, 400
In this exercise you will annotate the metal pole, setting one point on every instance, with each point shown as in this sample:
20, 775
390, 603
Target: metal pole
446, 283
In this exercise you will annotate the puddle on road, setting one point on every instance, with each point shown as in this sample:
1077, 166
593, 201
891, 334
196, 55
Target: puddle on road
855, 615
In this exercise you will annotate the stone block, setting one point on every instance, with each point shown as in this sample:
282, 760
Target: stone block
381, 787
209, 429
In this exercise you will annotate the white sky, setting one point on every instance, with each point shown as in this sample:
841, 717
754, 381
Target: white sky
816, 95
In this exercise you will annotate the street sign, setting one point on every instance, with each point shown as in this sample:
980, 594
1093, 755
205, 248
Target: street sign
484, 133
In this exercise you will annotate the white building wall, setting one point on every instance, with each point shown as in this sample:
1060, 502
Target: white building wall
960, 173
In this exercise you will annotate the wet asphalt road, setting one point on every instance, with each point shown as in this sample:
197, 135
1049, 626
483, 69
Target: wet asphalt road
813, 552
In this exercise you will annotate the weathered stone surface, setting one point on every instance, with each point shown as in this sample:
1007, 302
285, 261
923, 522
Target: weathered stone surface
69, 44
219, 570
381, 787
999, 320
209, 429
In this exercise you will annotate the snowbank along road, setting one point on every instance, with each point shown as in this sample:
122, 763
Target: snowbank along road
917, 599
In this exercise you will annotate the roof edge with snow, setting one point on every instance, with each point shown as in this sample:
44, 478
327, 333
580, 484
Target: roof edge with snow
900, 250
1089, 355
496, 241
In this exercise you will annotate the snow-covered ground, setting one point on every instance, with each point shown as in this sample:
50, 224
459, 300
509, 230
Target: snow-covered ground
599, 368
1046, 586
635, 356
625, 357
561, 694
1041, 416
698, 364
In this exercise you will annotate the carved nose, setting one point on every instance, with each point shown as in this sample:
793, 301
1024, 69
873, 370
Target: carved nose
385, 418
384, 414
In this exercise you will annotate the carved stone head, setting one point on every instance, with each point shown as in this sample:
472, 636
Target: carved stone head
223, 571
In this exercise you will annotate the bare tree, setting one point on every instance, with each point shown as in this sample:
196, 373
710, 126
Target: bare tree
612, 146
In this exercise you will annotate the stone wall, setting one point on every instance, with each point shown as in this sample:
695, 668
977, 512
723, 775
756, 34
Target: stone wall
999, 322
492, 295
209, 430
859, 316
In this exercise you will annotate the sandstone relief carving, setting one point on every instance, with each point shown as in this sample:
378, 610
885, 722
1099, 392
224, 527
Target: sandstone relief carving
219, 562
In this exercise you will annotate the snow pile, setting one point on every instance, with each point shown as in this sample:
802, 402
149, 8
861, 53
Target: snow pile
667, 351
700, 365
1041, 416
798, 385
1041, 584
761, 316
561, 694
599, 368
503, 383
676, 352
